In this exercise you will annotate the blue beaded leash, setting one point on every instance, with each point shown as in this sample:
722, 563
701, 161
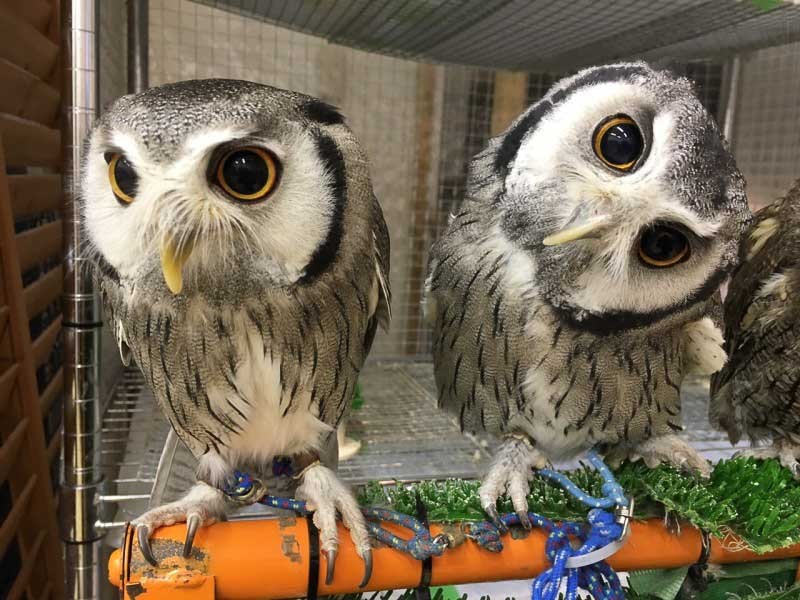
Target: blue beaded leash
582, 567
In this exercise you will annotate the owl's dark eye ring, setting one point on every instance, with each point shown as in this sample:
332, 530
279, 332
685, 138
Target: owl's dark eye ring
248, 174
662, 246
123, 178
618, 142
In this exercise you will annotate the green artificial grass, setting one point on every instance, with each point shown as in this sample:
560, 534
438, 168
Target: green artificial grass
756, 499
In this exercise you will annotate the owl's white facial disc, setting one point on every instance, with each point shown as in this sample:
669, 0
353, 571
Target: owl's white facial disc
596, 228
179, 199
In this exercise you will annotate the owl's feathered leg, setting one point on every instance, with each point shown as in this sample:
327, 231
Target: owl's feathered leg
325, 494
510, 470
201, 506
786, 451
669, 449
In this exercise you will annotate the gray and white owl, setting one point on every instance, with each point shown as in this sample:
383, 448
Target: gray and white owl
757, 393
244, 264
569, 296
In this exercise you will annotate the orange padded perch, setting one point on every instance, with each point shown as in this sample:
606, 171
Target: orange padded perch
270, 559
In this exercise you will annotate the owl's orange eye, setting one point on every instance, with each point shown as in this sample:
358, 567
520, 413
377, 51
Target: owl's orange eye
662, 246
618, 142
248, 174
123, 178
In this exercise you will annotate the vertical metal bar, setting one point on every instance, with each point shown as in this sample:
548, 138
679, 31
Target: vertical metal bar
138, 24
81, 473
731, 98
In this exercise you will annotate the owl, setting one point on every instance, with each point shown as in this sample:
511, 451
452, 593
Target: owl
569, 295
243, 260
757, 393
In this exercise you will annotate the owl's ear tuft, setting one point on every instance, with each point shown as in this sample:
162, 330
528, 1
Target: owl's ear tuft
322, 112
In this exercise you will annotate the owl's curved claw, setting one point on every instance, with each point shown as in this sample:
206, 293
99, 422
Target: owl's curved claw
331, 556
491, 510
193, 522
143, 535
524, 519
367, 569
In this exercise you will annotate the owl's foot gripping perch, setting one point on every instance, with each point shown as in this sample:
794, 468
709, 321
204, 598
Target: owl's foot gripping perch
325, 495
786, 451
509, 472
669, 449
202, 506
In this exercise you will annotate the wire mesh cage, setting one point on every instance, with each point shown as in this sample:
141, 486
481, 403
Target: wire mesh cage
424, 86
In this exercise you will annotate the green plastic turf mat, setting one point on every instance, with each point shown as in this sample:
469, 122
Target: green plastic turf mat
756, 499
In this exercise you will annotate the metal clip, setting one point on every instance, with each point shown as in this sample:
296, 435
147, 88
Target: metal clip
623, 515
254, 492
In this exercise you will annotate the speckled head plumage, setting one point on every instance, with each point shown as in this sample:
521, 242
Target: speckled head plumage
174, 138
544, 175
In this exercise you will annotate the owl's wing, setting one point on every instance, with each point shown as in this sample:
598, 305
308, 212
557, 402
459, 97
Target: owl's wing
759, 319
762, 255
107, 281
380, 236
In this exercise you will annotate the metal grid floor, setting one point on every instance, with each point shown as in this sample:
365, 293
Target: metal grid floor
403, 435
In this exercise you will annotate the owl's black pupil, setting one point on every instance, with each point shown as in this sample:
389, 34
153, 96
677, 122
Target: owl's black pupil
245, 172
125, 176
662, 243
621, 144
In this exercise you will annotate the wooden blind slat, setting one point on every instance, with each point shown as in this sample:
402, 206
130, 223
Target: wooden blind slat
4, 312
11, 523
27, 143
26, 96
7, 381
51, 392
45, 342
54, 447
28, 566
34, 12
36, 245
48, 590
34, 194
43, 292
23, 45
10, 448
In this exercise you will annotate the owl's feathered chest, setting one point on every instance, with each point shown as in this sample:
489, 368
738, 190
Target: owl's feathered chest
269, 375
506, 361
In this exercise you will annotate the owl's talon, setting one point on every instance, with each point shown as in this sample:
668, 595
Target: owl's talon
524, 520
367, 569
491, 510
143, 535
331, 558
193, 522
323, 490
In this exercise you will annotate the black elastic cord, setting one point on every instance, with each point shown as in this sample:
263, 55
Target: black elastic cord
313, 559
705, 550
423, 591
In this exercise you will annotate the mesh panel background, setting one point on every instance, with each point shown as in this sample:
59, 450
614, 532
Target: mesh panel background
420, 123
766, 137
536, 34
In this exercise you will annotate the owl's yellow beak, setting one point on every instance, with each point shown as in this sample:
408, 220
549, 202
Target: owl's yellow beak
172, 261
592, 227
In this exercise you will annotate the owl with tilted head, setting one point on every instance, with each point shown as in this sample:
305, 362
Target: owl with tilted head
243, 261
570, 294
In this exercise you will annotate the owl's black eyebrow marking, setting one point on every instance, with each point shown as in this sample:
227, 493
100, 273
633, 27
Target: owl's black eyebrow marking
326, 252
322, 112
513, 139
